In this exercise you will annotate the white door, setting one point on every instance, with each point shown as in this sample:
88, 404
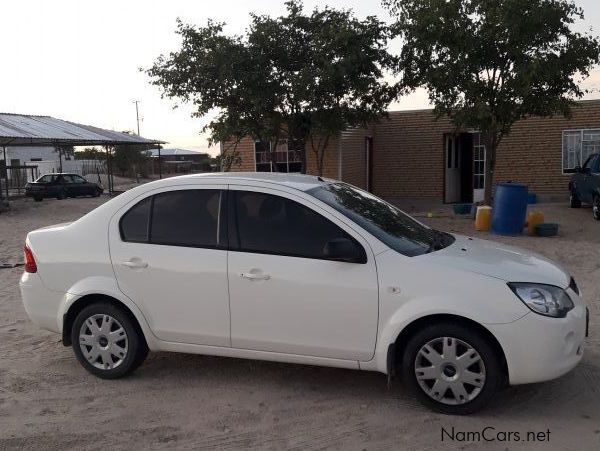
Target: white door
285, 296
453, 165
478, 170
169, 257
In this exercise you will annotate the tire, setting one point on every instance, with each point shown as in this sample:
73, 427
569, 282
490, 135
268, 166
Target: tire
574, 200
448, 374
61, 195
97, 192
38, 198
103, 356
596, 207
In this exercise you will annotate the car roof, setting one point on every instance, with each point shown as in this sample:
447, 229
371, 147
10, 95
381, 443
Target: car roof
302, 182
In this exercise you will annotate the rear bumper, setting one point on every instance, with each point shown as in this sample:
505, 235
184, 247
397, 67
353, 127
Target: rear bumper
538, 348
41, 304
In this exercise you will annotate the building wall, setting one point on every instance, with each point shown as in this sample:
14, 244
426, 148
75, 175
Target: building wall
532, 153
25, 154
354, 155
409, 157
245, 148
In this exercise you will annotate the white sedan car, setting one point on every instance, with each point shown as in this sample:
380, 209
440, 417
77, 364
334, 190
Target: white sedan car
300, 269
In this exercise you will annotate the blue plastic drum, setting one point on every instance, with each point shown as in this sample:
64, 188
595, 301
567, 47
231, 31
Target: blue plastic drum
510, 209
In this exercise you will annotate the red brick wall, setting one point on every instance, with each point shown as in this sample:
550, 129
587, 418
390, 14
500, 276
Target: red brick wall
532, 153
354, 163
408, 157
245, 148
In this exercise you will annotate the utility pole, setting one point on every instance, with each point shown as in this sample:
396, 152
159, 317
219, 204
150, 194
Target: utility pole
137, 116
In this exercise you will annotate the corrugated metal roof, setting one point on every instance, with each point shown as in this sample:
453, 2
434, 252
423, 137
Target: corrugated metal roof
174, 151
22, 129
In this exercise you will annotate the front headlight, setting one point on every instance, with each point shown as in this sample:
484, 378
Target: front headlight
544, 299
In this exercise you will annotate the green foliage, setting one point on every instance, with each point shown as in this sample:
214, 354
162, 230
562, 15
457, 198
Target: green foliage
489, 63
90, 153
225, 161
290, 77
66, 152
130, 159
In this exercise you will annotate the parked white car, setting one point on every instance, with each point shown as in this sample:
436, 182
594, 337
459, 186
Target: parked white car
299, 269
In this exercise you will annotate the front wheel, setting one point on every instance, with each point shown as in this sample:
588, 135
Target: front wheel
451, 368
106, 341
596, 207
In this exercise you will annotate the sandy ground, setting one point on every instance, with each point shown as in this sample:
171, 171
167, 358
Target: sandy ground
182, 401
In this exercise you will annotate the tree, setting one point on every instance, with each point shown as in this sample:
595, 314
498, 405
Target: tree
293, 77
130, 158
90, 153
488, 63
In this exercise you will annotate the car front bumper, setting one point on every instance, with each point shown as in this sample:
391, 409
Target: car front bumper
539, 348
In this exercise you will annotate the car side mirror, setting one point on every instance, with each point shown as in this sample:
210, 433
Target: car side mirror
344, 250
578, 169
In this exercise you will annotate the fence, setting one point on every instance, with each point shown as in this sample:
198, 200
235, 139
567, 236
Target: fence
14, 178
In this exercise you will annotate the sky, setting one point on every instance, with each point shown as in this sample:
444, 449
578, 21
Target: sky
80, 60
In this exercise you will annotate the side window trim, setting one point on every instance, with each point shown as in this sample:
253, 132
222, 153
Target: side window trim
234, 235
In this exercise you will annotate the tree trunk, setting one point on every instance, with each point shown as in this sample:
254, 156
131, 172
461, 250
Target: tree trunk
490, 165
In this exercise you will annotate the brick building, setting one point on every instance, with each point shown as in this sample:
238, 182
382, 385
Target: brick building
411, 155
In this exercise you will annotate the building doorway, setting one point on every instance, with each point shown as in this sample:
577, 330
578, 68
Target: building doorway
458, 163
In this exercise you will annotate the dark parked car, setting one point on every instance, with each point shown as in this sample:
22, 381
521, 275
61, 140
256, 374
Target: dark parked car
585, 185
61, 186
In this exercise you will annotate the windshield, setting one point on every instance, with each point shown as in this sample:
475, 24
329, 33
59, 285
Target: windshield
386, 222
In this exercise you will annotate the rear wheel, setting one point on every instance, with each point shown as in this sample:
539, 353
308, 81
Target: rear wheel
96, 192
574, 200
596, 207
452, 369
107, 342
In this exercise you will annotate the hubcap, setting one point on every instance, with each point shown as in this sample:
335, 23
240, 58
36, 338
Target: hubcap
103, 341
450, 370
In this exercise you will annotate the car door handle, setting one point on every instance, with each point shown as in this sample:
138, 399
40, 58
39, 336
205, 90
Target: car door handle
253, 276
135, 264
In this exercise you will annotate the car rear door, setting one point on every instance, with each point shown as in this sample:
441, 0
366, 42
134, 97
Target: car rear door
168, 250
285, 296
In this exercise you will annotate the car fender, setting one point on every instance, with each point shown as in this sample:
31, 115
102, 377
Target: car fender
106, 286
412, 311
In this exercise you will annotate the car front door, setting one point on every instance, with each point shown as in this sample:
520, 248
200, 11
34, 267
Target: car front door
81, 185
285, 295
169, 254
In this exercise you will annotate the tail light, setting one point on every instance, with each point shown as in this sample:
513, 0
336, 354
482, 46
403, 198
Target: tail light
30, 265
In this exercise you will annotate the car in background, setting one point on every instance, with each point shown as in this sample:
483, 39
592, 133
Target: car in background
584, 186
61, 186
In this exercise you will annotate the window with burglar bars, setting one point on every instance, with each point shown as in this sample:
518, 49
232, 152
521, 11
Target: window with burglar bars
286, 158
478, 162
577, 146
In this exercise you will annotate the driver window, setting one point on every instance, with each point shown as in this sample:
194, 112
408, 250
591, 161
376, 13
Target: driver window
271, 224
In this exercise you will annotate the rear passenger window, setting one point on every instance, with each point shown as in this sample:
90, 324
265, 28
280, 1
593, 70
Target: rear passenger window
134, 223
186, 218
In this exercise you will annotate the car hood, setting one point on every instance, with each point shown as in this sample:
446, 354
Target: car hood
492, 259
